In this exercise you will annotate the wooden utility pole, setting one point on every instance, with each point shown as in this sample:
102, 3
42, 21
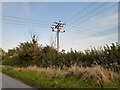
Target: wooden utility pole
57, 26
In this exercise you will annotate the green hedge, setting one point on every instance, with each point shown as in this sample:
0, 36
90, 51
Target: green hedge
29, 53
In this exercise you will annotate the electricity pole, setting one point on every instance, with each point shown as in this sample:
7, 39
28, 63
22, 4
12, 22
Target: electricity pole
57, 26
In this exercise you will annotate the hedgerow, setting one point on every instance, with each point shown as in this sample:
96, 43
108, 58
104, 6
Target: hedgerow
31, 53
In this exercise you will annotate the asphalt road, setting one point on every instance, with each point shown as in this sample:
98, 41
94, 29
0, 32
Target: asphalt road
8, 82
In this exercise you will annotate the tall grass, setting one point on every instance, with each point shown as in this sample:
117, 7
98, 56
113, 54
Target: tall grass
96, 76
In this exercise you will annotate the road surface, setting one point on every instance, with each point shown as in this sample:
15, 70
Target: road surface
8, 82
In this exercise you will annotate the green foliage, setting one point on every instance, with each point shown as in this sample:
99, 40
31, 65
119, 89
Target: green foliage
41, 81
31, 53
28, 53
10, 58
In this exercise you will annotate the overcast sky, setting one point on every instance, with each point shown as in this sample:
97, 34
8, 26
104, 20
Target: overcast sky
87, 23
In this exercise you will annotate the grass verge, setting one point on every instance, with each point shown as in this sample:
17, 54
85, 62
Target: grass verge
38, 80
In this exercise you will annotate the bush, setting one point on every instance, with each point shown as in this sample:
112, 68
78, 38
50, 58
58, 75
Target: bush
31, 53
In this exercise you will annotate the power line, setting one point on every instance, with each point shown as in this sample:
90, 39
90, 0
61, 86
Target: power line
23, 21
88, 31
23, 18
89, 13
80, 11
95, 15
98, 13
90, 35
22, 24
78, 29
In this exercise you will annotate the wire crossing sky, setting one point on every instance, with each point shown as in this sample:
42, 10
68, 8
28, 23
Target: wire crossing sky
87, 23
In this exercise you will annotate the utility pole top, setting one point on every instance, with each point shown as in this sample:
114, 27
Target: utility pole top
58, 25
